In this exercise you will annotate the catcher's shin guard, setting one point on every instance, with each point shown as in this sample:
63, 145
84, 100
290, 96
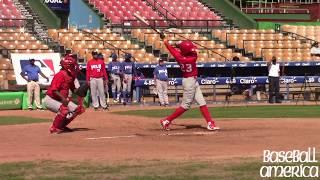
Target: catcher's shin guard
71, 116
58, 121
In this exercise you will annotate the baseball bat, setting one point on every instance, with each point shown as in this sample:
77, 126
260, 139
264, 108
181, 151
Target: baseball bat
140, 18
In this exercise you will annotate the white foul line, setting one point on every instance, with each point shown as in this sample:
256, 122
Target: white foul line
163, 134
112, 137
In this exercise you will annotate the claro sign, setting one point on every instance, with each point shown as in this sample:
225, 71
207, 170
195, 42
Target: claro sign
60, 5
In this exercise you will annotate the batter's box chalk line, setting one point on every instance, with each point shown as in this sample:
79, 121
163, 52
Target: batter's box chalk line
162, 134
189, 134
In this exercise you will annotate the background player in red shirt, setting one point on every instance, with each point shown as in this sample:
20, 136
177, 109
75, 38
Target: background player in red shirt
186, 57
97, 78
57, 99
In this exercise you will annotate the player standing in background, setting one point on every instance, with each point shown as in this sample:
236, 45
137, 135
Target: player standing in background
57, 98
97, 78
127, 69
186, 57
32, 72
160, 74
114, 70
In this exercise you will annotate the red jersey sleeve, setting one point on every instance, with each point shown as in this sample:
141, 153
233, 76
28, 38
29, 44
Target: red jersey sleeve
179, 57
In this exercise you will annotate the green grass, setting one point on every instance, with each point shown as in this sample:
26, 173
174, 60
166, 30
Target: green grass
237, 112
245, 169
12, 120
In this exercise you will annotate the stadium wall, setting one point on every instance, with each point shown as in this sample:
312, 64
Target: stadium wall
47, 16
82, 16
231, 11
272, 25
295, 17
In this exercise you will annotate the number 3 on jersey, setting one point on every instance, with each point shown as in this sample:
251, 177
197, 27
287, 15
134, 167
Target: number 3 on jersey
186, 68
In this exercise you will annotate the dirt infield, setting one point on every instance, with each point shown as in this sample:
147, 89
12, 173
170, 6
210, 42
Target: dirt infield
115, 138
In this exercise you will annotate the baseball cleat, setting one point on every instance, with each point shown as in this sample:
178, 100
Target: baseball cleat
212, 127
54, 130
165, 124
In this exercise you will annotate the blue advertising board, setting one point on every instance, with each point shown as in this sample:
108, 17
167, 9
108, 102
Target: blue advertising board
82, 16
235, 80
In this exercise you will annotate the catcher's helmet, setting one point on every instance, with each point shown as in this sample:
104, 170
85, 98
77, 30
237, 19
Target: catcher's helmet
70, 64
187, 47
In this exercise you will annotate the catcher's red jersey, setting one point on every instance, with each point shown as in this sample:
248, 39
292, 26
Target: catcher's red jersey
62, 82
187, 63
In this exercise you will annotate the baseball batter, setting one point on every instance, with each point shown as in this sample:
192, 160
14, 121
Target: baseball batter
186, 57
57, 97
160, 74
127, 69
114, 70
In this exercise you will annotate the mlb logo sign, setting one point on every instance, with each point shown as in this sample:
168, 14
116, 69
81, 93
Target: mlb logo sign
49, 64
46, 65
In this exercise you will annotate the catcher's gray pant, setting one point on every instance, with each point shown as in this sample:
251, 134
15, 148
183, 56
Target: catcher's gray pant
54, 105
116, 85
191, 91
126, 83
162, 90
97, 89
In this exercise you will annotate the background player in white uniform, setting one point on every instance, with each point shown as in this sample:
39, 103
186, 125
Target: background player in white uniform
127, 69
160, 74
114, 70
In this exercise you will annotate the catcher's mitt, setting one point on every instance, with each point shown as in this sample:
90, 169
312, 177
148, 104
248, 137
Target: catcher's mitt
82, 90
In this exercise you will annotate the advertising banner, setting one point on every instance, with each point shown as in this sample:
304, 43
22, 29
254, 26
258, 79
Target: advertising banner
58, 5
49, 63
10, 100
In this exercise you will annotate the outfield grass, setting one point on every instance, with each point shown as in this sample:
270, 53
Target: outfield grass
12, 120
237, 112
244, 169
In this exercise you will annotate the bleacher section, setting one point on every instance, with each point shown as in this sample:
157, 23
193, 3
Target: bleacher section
187, 10
160, 13
18, 41
118, 10
104, 41
311, 32
266, 43
212, 53
10, 15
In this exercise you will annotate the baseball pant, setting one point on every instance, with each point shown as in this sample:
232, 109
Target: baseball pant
64, 114
126, 86
191, 91
116, 86
54, 105
274, 89
33, 89
97, 89
162, 89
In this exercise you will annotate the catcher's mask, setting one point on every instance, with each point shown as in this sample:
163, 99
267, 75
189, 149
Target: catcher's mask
69, 64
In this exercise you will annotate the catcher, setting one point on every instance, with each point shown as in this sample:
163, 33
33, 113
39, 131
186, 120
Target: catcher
57, 98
